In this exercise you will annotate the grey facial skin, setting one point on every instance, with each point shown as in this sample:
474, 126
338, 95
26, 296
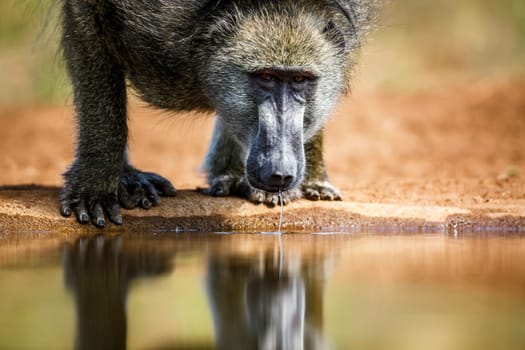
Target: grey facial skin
272, 70
276, 155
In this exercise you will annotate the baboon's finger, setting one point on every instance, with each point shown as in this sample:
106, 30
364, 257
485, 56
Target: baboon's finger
97, 215
81, 212
162, 184
145, 203
152, 194
114, 214
65, 209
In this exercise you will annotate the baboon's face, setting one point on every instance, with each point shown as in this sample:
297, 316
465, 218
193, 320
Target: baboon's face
274, 81
275, 159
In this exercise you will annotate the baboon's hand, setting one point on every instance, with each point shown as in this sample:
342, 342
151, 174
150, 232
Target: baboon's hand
226, 185
135, 189
89, 205
320, 190
143, 189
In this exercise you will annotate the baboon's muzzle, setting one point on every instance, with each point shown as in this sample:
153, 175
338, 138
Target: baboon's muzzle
276, 159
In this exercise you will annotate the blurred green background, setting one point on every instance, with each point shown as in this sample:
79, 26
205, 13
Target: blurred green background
31, 69
417, 44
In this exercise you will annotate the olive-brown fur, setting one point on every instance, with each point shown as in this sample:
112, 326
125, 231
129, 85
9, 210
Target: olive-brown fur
204, 55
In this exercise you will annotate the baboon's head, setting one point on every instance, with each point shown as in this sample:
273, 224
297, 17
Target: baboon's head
278, 69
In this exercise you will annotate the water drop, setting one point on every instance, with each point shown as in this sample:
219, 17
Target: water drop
282, 210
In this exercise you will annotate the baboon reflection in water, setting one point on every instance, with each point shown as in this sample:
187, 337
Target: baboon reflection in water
257, 302
266, 302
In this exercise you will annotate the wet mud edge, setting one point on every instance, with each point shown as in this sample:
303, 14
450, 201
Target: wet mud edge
35, 209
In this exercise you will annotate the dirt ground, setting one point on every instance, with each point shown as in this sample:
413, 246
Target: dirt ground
461, 146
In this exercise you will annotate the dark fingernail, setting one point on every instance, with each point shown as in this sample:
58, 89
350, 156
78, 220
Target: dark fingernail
66, 211
154, 200
83, 218
146, 203
101, 223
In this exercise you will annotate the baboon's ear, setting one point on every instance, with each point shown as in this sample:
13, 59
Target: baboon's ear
335, 35
348, 11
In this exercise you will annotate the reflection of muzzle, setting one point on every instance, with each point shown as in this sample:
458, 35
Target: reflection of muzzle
276, 312
276, 158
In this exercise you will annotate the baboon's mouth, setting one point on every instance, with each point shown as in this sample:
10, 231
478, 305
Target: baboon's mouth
268, 188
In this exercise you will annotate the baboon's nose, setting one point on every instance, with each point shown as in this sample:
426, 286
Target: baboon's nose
281, 180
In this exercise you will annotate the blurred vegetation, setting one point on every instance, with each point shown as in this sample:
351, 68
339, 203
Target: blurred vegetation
418, 43
421, 42
31, 69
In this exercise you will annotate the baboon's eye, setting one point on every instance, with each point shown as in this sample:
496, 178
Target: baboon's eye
300, 82
266, 77
266, 80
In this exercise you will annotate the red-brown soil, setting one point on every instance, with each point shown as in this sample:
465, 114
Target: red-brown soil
438, 156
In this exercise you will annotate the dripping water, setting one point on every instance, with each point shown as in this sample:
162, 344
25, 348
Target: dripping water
279, 233
282, 209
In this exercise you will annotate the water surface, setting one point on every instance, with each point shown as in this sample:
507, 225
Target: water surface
254, 291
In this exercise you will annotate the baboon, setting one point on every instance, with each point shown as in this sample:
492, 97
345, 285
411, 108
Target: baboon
272, 70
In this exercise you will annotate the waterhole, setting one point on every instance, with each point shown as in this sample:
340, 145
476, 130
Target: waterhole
260, 291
